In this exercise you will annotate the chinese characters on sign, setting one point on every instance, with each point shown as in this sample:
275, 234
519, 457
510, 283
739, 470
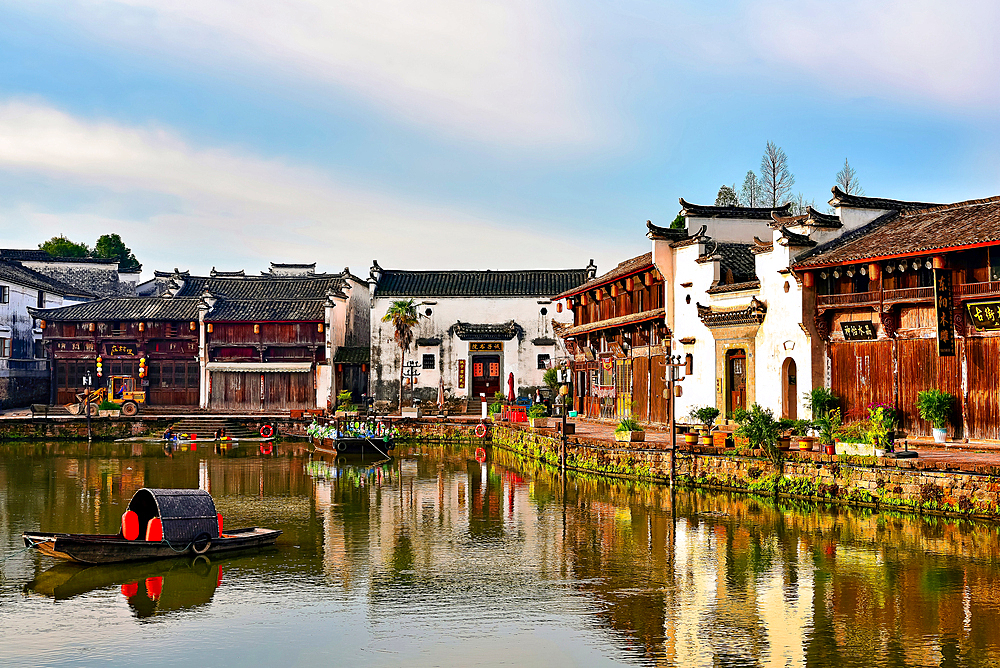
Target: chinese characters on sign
461, 374
487, 347
120, 349
943, 312
984, 315
859, 331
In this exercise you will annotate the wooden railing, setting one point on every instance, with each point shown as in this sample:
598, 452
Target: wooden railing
989, 288
908, 294
848, 299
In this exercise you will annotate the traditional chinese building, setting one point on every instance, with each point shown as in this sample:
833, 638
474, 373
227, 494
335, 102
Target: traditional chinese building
227, 341
619, 341
910, 301
474, 329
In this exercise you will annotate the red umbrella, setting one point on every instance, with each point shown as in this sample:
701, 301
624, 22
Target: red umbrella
510, 387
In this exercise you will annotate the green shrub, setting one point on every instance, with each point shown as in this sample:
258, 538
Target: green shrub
820, 400
628, 424
538, 411
761, 431
106, 405
705, 415
935, 406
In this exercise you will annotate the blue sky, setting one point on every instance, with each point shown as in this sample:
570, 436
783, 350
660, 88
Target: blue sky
465, 134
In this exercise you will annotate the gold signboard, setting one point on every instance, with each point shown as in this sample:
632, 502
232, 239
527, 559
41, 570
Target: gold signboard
486, 347
461, 374
984, 316
859, 331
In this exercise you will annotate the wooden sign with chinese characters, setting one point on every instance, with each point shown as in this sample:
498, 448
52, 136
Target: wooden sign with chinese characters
984, 316
943, 311
461, 374
486, 347
859, 331
120, 349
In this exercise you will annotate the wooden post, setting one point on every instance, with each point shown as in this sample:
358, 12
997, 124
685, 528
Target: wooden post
673, 430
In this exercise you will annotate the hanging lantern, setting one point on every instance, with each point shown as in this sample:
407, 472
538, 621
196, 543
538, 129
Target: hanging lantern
558, 307
92, 327
142, 327
319, 327
807, 279
614, 290
874, 271
939, 261
863, 271
630, 284
41, 324
364, 368
210, 328
256, 329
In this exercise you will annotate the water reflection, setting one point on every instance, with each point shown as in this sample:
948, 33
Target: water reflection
506, 560
151, 588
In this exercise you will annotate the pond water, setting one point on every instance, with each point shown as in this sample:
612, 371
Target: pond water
434, 558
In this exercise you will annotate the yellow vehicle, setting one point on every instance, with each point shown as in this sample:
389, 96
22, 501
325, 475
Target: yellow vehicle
121, 391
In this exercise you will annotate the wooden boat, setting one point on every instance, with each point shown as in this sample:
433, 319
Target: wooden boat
355, 436
159, 524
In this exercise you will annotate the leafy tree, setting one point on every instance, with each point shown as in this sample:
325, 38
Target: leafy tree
112, 246
62, 247
847, 180
776, 178
403, 316
752, 194
678, 223
727, 197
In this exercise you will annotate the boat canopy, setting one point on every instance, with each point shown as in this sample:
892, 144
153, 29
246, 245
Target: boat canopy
186, 514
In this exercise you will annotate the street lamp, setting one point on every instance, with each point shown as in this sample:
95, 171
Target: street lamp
88, 382
410, 371
563, 394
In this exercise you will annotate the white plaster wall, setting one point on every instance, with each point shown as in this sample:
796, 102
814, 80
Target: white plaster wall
17, 325
698, 388
519, 355
852, 218
741, 230
324, 384
780, 335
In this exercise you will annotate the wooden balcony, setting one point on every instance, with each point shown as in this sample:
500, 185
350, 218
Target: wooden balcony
847, 300
976, 290
925, 294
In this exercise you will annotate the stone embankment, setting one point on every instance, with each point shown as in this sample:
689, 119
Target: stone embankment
912, 485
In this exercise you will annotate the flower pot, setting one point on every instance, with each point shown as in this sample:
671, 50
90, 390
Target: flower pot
101, 413
571, 414
940, 435
537, 422
854, 449
630, 436
880, 452
830, 449
691, 438
806, 443
784, 442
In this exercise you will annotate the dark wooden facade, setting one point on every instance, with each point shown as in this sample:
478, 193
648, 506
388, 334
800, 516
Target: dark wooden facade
170, 349
896, 355
618, 343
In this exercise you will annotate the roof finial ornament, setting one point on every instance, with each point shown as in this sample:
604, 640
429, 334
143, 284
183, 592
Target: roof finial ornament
591, 270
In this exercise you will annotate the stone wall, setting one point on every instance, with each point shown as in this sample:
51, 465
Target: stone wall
22, 391
888, 484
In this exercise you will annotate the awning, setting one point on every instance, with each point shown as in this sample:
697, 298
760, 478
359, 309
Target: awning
261, 367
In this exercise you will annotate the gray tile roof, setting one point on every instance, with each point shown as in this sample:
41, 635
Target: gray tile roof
736, 258
123, 308
628, 267
525, 283
352, 355
840, 198
269, 310
263, 287
743, 212
13, 272
486, 332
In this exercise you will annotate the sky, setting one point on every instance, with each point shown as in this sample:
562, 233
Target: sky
460, 134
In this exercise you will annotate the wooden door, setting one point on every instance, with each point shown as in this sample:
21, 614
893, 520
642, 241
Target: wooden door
920, 368
486, 375
861, 374
983, 405
659, 408
284, 391
789, 390
736, 378
236, 390
640, 388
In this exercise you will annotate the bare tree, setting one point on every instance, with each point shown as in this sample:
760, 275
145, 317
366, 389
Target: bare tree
752, 194
776, 179
847, 180
800, 204
727, 196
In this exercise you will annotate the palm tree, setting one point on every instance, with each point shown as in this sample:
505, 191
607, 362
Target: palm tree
403, 316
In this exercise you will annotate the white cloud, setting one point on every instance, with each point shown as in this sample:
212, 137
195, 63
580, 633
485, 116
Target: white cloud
924, 51
494, 72
222, 207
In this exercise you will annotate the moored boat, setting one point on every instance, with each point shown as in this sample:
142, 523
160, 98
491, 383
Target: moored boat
158, 524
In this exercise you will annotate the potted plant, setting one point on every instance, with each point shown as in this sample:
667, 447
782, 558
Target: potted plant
628, 430
881, 425
936, 406
819, 401
691, 437
760, 430
785, 427
800, 435
344, 406
496, 406
538, 416
828, 425
705, 415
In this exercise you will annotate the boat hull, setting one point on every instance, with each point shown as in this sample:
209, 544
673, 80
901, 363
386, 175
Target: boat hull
354, 446
109, 549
